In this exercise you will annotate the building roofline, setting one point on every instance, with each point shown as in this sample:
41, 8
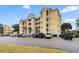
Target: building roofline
46, 9
30, 15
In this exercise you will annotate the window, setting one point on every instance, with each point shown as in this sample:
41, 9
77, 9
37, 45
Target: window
23, 31
36, 27
36, 23
23, 22
47, 12
29, 20
29, 28
36, 19
29, 24
29, 31
36, 31
47, 25
39, 26
47, 19
47, 29
39, 22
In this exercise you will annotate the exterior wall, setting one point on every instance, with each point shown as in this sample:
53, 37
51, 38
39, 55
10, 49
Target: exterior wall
22, 27
43, 21
32, 24
6, 30
37, 25
55, 22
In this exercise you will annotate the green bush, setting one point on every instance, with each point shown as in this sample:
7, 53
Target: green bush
77, 35
61, 35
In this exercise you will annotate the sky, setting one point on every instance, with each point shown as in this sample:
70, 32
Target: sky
11, 14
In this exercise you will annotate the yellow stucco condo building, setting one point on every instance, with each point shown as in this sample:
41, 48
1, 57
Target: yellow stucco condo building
49, 21
27, 26
22, 28
7, 30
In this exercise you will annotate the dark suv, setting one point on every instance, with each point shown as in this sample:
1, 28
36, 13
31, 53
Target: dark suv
39, 35
68, 37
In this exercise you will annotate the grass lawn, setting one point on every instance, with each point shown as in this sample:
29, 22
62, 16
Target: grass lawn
26, 49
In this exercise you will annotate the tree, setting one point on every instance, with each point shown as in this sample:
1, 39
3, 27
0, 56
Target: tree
66, 26
16, 28
1, 28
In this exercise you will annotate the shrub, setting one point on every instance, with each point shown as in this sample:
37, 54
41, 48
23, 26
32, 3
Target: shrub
77, 35
61, 35
54, 35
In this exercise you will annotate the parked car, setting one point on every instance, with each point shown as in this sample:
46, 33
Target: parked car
16, 35
19, 35
48, 36
13, 35
35, 35
68, 37
29, 34
41, 35
38, 35
54, 35
25, 35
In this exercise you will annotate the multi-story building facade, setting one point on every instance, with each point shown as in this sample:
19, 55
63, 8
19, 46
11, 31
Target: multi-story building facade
77, 24
27, 26
48, 22
37, 25
31, 24
22, 28
7, 30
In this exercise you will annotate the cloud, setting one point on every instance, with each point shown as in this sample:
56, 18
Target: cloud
70, 8
69, 20
26, 6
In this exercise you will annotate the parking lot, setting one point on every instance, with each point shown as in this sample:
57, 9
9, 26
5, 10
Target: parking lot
58, 43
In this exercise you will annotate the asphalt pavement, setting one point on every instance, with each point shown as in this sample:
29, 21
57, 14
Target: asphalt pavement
71, 46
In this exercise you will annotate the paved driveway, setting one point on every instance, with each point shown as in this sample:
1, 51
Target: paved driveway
67, 45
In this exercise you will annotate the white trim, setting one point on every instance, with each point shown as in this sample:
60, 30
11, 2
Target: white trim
55, 33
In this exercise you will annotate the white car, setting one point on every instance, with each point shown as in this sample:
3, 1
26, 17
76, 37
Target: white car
48, 36
25, 35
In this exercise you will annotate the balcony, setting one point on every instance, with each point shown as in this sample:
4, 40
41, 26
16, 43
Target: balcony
29, 20
25, 27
